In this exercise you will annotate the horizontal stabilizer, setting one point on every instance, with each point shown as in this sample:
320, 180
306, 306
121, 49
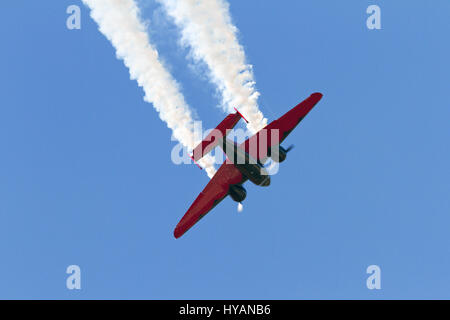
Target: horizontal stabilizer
215, 136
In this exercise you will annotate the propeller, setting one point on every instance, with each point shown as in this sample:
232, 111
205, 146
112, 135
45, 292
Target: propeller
271, 162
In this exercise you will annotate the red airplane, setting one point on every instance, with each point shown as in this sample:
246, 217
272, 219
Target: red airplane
244, 162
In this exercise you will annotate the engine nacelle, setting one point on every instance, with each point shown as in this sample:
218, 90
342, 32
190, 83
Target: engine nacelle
237, 192
278, 154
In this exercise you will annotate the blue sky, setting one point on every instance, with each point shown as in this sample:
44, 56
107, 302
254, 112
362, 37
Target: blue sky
86, 176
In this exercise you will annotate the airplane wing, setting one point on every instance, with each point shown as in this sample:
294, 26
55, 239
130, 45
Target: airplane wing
215, 191
259, 144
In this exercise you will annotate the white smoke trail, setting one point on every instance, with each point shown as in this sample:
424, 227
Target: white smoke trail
119, 21
207, 29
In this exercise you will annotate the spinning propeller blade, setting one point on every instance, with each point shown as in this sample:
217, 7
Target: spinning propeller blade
290, 148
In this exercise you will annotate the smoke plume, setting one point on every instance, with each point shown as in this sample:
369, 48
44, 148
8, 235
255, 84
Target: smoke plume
119, 21
208, 31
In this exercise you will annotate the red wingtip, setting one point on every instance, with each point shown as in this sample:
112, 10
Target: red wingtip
317, 96
180, 229
240, 114
177, 233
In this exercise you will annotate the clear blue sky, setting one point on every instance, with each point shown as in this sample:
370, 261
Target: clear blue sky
86, 176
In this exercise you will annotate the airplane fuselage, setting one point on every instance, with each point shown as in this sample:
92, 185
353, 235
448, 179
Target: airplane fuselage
245, 163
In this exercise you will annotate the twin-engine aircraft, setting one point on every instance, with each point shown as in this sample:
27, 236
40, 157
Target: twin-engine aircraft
243, 162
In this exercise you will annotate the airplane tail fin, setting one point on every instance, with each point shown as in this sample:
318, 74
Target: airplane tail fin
215, 136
